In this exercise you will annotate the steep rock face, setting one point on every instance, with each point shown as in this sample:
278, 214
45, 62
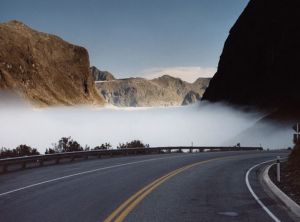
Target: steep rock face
99, 75
259, 65
163, 91
191, 98
43, 68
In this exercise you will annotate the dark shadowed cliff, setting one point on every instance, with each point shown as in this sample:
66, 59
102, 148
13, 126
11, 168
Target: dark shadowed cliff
260, 62
43, 68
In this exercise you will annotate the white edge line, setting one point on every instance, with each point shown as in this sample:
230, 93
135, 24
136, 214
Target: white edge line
255, 196
82, 173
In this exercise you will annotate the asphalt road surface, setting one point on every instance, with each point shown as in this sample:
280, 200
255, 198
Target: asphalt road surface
167, 187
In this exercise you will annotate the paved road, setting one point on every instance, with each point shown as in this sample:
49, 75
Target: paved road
187, 187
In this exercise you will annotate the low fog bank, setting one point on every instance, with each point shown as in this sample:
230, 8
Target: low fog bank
201, 124
267, 134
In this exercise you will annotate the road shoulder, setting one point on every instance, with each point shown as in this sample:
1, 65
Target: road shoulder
291, 205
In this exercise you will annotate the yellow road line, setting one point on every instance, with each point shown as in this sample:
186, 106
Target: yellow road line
130, 207
122, 206
124, 209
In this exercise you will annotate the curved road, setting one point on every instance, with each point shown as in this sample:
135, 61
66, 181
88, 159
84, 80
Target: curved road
170, 187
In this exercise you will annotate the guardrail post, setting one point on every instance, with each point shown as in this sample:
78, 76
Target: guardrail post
278, 168
190, 150
41, 162
23, 165
4, 169
57, 161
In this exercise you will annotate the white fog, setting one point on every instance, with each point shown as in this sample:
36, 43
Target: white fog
201, 124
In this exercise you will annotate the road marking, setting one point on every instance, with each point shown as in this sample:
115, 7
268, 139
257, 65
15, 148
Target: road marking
255, 196
122, 206
120, 213
229, 213
85, 172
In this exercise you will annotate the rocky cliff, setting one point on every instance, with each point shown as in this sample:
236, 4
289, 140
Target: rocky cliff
43, 68
99, 75
163, 91
259, 65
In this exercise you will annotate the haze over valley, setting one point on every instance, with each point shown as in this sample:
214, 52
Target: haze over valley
201, 124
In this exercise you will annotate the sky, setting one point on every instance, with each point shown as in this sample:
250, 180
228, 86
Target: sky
136, 37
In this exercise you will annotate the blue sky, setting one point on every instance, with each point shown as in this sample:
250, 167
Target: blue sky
133, 37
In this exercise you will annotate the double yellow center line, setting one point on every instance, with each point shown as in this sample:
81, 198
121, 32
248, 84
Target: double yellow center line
124, 209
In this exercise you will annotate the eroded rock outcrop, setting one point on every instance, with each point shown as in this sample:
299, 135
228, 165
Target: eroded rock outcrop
99, 75
191, 98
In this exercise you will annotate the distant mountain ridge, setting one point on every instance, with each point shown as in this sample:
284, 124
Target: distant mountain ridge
43, 68
162, 91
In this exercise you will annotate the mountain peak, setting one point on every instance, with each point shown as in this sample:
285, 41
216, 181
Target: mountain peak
16, 22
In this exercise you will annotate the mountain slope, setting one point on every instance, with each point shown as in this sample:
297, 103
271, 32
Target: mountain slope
43, 68
99, 75
259, 65
162, 91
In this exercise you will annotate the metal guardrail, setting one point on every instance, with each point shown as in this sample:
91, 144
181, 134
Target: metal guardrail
47, 159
